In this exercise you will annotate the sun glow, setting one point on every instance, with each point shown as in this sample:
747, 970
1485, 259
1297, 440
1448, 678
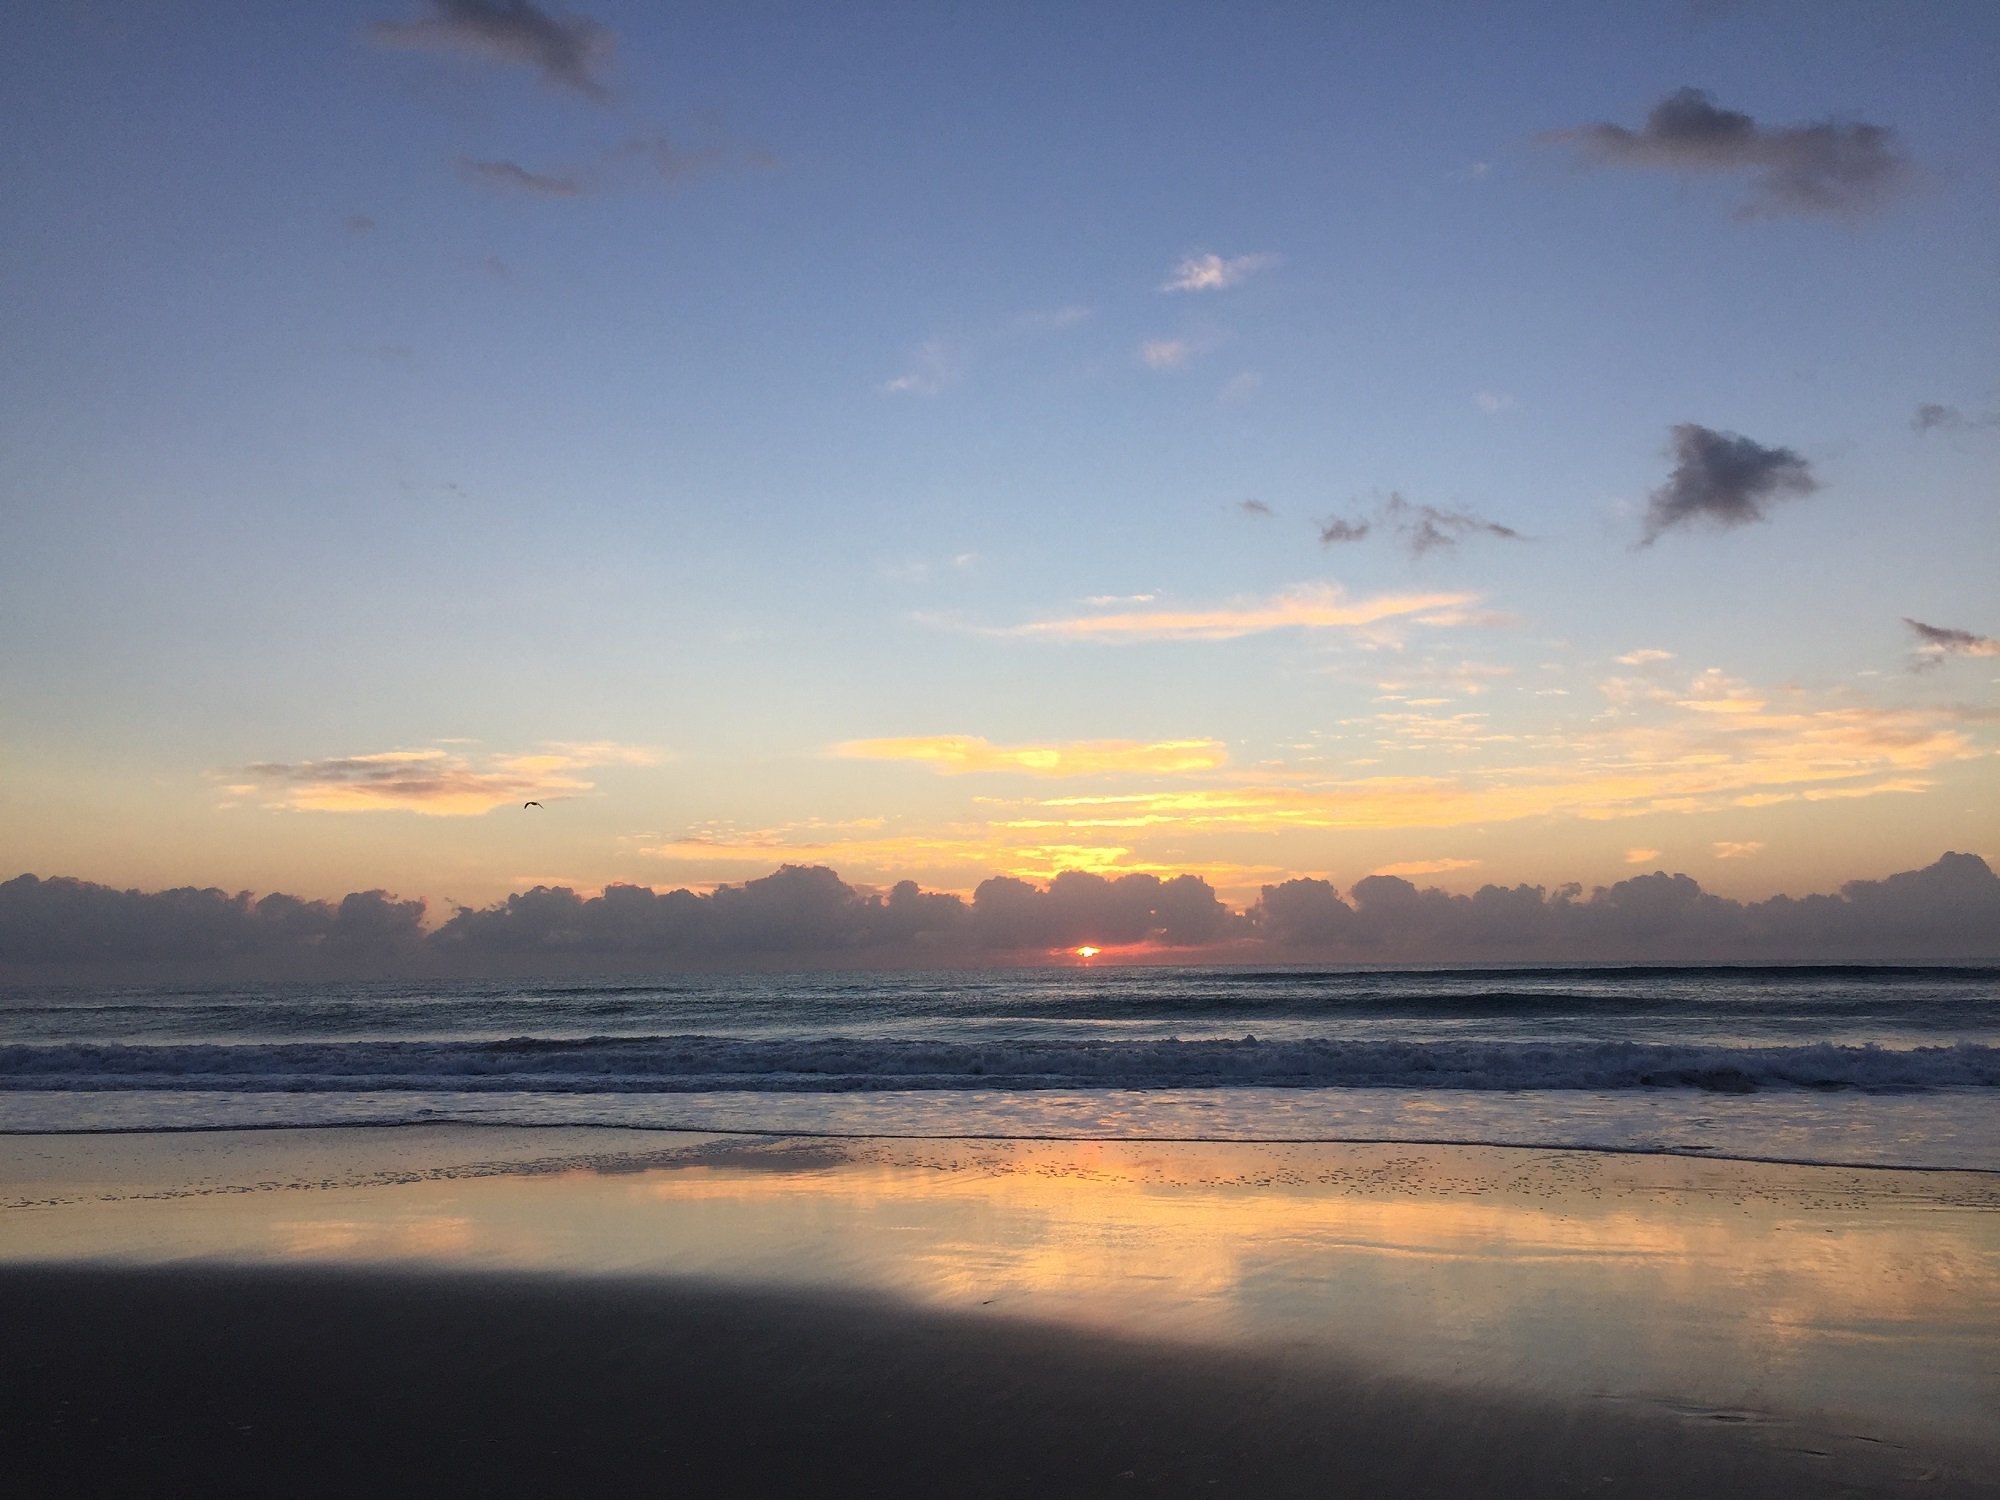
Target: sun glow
1086, 951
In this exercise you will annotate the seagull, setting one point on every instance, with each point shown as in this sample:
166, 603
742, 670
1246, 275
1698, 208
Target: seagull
526, 805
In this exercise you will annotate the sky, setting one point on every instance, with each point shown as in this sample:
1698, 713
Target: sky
1480, 444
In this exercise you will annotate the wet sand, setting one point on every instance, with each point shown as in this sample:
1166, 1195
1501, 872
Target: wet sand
426, 1311
221, 1381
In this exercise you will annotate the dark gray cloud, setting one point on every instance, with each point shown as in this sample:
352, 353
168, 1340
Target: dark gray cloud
1081, 907
73, 922
807, 915
803, 910
1421, 528
1936, 642
509, 177
1302, 913
1931, 417
1723, 478
672, 163
1254, 508
566, 50
1948, 910
1830, 167
1426, 527
1340, 529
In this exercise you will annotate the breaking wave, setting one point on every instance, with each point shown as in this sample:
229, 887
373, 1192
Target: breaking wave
701, 1064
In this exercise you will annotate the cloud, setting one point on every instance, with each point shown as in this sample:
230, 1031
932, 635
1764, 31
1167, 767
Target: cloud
1940, 641
1240, 387
566, 50
1421, 528
1722, 478
1726, 849
1492, 402
917, 569
1214, 273
1948, 910
509, 177
1426, 867
1470, 678
436, 782
1931, 417
1645, 656
1826, 168
1052, 320
1165, 354
671, 163
808, 915
360, 224
961, 753
1318, 606
65, 921
1340, 529
1255, 508
933, 370
1641, 856
1707, 751
809, 911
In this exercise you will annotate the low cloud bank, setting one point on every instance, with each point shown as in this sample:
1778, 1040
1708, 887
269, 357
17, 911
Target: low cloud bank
64, 921
803, 915
1947, 910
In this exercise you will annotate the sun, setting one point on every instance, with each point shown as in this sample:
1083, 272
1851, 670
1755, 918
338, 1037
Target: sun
1086, 951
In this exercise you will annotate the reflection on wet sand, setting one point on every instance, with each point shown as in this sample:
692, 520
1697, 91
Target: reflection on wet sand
1867, 1298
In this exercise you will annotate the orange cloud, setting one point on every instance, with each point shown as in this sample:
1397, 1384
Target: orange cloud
956, 753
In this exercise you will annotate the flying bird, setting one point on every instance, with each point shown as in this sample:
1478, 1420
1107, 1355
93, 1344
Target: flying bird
526, 805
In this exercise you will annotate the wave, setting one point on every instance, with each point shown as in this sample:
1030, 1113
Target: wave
698, 1064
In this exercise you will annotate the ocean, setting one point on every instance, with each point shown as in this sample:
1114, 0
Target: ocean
1848, 1065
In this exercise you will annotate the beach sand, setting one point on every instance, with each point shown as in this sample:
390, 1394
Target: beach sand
455, 1310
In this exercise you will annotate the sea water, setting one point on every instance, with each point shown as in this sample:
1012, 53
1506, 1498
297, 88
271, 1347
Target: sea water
1854, 1065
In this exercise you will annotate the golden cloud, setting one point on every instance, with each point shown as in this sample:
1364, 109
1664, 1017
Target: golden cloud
1197, 811
433, 782
1426, 867
1320, 606
1698, 764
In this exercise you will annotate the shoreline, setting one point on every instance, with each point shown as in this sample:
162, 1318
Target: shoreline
1025, 1137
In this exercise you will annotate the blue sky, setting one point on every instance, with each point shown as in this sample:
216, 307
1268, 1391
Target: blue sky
378, 400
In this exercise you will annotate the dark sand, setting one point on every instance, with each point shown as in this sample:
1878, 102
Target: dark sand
217, 1381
